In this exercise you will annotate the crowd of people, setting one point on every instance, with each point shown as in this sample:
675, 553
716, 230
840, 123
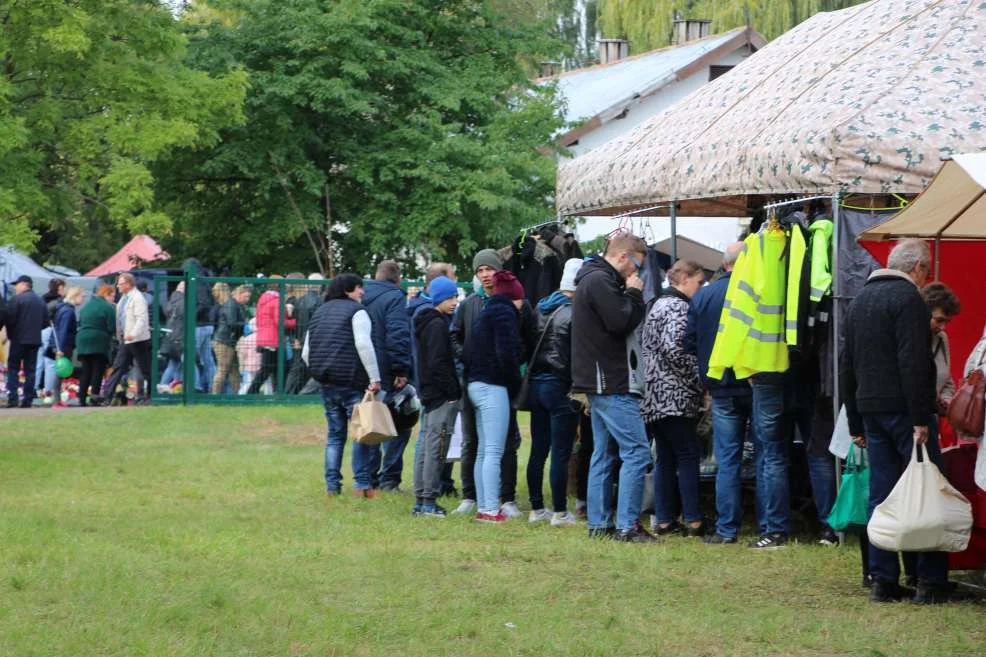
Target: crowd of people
603, 374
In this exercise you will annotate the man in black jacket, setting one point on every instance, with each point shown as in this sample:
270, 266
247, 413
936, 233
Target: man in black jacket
607, 365
304, 308
888, 385
26, 317
485, 264
439, 391
386, 303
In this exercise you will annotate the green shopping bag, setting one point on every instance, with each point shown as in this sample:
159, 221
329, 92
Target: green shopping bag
849, 510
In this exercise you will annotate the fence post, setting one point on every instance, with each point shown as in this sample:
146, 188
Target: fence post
155, 312
191, 278
282, 341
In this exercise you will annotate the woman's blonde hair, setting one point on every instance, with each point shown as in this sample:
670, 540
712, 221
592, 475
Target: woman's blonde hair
242, 288
74, 295
684, 269
220, 292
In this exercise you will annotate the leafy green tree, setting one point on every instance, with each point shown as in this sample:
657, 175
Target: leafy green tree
647, 23
92, 92
375, 128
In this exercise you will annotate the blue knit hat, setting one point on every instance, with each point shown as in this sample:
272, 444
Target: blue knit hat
442, 288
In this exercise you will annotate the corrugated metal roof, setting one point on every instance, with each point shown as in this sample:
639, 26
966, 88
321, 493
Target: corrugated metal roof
593, 90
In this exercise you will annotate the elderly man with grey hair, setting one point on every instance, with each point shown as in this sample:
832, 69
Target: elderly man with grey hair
135, 343
732, 401
888, 385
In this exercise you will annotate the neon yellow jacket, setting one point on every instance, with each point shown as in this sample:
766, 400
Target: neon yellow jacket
751, 335
793, 307
821, 270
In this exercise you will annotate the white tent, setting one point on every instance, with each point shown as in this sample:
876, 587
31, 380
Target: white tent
13, 263
863, 100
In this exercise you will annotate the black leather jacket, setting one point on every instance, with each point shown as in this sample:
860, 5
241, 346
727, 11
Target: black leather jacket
555, 355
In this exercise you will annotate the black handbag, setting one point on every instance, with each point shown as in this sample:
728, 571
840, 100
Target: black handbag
519, 402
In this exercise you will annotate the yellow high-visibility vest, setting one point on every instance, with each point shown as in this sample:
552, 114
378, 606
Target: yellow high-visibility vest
797, 250
751, 335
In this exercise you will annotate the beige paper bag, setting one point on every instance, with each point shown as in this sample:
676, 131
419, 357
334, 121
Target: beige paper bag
372, 422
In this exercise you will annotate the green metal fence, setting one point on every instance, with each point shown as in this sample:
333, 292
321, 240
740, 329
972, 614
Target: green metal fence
198, 362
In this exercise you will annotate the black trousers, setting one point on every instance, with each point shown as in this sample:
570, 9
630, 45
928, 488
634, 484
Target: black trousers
268, 369
93, 368
139, 352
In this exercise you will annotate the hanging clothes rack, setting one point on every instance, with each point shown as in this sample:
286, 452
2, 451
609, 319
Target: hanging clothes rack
796, 201
672, 209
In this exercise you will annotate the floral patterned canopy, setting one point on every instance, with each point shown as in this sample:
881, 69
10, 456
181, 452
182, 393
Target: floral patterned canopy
864, 100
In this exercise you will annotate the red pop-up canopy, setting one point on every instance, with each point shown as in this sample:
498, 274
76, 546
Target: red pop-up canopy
140, 249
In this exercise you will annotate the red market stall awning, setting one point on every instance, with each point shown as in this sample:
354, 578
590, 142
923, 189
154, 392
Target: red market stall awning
140, 249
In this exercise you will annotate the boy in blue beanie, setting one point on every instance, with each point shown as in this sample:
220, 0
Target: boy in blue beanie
439, 391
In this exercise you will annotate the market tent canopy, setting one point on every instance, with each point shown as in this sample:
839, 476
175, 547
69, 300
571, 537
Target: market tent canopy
138, 250
953, 206
13, 263
864, 100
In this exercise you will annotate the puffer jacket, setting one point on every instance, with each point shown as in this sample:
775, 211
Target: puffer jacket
554, 357
674, 387
268, 314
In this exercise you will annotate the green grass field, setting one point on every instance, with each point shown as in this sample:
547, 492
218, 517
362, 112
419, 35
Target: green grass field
206, 531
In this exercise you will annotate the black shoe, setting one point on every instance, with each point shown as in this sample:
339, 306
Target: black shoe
607, 533
868, 581
931, 594
882, 591
769, 542
636, 534
911, 581
719, 539
695, 532
829, 538
674, 528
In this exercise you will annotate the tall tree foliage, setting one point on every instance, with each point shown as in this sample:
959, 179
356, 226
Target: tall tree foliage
92, 92
414, 122
647, 23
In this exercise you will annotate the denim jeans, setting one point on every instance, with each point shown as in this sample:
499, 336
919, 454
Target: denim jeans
618, 430
821, 471
205, 369
470, 441
730, 418
492, 406
553, 422
387, 461
21, 356
889, 442
172, 372
677, 465
772, 473
339, 404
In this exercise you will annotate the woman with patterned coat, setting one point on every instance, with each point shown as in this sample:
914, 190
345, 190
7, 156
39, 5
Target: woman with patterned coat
673, 401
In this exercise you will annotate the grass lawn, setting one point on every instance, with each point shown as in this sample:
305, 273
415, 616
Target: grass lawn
207, 531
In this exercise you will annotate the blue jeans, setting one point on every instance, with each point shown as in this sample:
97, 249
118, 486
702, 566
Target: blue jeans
387, 471
889, 441
492, 405
618, 430
205, 359
172, 372
677, 464
821, 471
772, 473
18, 356
553, 422
730, 418
339, 404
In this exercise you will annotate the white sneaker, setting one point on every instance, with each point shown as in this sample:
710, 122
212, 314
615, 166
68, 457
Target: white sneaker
562, 519
537, 515
465, 506
510, 510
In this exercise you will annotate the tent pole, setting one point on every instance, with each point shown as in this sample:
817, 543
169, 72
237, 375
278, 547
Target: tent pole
938, 256
836, 300
673, 213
